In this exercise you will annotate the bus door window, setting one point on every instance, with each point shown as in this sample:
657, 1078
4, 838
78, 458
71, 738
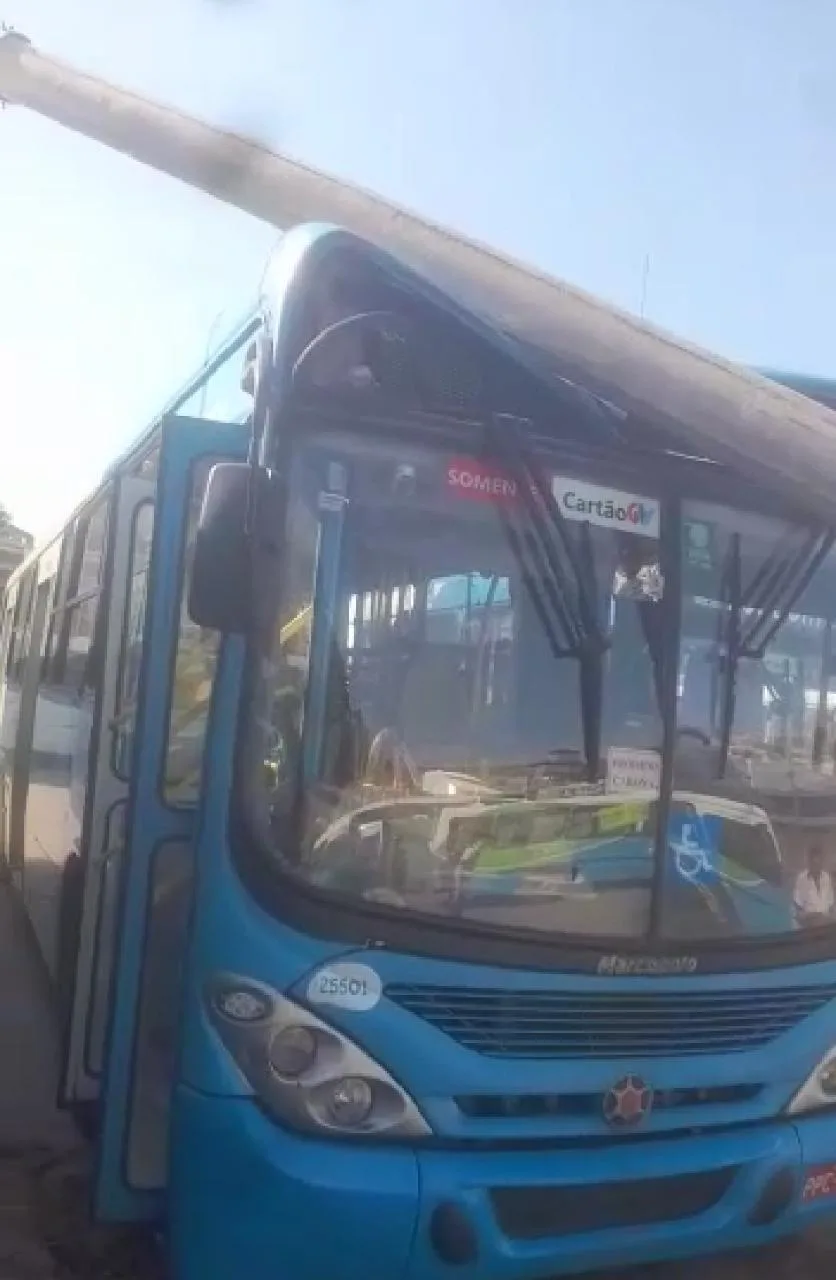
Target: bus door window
173, 863
122, 732
172, 881
133, 632
194, 674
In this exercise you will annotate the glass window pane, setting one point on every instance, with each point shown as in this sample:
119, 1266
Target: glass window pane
286, 672
78, 673
478, 680
194, 674
64, 569
59, 773
93, 556
161, 990
218, 395
133, 634
753, 829
107, 923
24, 619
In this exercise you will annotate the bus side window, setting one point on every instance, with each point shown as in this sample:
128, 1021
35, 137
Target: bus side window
9, 643
18, 647
69, 675
133, 631
194, 675
63, 590
68, 661
5, 638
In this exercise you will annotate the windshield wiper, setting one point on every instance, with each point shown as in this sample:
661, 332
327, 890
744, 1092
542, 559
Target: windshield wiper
775, 589
559, 577
788, 589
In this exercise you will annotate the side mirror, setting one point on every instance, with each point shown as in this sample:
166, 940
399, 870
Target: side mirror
222, 570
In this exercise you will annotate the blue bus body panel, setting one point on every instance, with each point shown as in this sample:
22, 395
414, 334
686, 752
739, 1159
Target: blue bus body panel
151, 823
437, 1067
250, 1197
230, 933
255, 1201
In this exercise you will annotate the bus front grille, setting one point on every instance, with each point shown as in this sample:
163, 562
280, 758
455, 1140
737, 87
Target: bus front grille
533, 1213
584, 1024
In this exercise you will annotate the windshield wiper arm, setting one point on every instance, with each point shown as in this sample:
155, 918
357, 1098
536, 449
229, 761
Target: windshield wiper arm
553, 608
562, 587
549, 523
775, 589
776, 608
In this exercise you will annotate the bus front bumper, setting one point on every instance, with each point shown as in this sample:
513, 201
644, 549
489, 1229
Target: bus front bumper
248, 1199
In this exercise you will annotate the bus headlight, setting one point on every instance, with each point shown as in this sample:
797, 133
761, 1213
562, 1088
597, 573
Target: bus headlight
350, 1101
292, 1052
819, 1089
307, 1073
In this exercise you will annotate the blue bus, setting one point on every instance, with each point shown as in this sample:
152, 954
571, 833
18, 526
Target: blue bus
420, 777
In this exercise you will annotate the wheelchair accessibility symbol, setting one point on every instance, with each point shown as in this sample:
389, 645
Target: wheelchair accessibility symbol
692, 851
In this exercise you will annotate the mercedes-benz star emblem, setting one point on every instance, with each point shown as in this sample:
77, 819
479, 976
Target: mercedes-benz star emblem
627, 1102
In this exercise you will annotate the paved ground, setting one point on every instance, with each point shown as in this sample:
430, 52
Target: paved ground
44, 1183
44, 1174
810, 1260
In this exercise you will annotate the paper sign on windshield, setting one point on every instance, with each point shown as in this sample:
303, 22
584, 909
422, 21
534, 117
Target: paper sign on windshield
605, 507
629, 769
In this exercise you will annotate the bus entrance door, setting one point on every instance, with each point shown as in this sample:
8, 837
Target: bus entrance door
156, 875
91, 887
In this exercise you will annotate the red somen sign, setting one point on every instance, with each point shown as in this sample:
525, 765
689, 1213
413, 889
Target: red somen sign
479, 481
819, 1182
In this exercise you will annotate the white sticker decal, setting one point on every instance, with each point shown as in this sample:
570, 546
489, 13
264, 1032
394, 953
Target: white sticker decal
346, 986
608, 508
629, 769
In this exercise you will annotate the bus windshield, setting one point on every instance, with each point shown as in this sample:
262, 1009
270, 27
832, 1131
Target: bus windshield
460, 713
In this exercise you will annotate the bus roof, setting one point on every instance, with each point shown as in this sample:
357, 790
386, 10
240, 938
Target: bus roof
821, 389
693, 402
705, 406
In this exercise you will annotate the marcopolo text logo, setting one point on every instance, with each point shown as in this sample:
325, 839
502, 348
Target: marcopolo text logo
608, 508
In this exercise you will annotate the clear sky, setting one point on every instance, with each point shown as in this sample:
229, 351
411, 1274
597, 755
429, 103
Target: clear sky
580, 135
